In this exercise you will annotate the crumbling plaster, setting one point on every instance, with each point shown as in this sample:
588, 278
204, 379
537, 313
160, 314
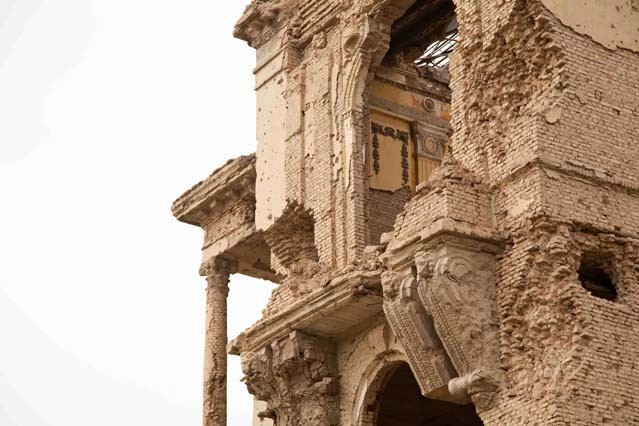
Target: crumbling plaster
612, 23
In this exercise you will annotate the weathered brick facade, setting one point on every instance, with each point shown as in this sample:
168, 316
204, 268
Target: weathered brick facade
475, 220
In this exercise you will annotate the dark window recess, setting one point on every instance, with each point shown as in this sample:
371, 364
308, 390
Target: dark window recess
597, 281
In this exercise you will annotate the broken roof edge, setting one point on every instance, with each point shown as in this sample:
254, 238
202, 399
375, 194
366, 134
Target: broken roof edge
232, 172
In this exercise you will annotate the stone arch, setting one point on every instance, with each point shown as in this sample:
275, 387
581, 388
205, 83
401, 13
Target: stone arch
378, 382
364, 46
373, 380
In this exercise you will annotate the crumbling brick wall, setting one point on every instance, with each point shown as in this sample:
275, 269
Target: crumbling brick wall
546, 117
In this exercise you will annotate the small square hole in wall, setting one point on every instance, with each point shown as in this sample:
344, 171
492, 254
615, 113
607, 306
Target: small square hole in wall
595, 277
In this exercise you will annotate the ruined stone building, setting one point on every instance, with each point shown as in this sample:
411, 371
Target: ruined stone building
447, 194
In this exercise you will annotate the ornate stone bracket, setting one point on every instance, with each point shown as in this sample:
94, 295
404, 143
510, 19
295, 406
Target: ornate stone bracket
414, 328
297, 377
457, 288
441, 305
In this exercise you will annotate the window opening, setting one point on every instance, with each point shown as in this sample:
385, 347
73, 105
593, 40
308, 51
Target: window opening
595, 279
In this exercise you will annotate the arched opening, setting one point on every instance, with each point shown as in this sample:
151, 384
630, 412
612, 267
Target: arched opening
409, 105
400, 403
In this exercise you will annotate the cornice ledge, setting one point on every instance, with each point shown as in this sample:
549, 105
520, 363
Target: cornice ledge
260, 20
399, 251
305, 312
235, 179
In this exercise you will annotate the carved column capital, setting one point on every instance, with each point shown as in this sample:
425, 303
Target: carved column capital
217, 272
297, 377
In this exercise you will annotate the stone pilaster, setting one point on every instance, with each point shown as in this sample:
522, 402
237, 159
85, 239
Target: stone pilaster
217, 272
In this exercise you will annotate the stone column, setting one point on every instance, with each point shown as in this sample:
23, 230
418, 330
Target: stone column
217, 272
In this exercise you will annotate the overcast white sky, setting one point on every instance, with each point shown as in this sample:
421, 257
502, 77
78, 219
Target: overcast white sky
109, 110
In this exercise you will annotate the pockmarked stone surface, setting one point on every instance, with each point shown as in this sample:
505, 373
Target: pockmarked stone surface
447, 194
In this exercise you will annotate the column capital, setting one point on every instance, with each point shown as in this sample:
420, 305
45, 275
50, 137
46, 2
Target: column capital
217, 271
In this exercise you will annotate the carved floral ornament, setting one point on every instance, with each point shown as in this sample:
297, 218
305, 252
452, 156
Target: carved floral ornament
400, 135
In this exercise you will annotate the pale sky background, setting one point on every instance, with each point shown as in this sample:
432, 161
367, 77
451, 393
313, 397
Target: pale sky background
109, 110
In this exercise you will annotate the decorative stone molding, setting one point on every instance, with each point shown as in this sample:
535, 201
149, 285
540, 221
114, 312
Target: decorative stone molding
297, 377
261, 19
232, 183
372, 382
430, 144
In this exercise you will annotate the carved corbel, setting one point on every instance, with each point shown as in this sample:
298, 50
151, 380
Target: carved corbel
457, 288
414, 328
256, 367
480, 387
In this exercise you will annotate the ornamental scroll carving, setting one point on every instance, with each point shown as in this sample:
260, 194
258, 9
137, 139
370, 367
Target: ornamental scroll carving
297, 377
443, 310
457, 288
414, 328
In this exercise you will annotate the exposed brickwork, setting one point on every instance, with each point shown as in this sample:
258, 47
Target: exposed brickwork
234, 215
217, 273
383, 208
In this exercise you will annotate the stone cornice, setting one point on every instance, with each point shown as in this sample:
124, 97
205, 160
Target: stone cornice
357, 292
232, 182
261, 19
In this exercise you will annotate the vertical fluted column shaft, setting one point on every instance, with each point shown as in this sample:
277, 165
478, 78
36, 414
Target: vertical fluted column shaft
217, 273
